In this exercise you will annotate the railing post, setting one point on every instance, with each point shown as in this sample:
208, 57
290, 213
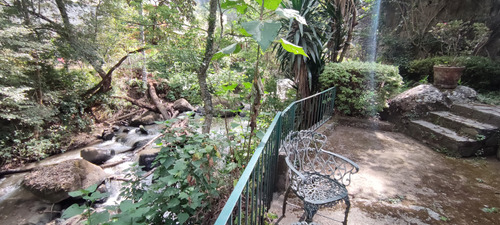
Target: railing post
253, 191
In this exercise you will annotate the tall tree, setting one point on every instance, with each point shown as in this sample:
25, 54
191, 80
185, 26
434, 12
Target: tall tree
343, 19
202, 71
304, 70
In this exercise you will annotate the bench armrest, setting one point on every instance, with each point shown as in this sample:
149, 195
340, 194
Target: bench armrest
294, 170
339, 167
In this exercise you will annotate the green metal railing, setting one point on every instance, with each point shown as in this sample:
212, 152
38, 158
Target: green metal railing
252, 195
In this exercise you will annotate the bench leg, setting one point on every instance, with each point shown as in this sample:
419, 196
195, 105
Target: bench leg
348, 204
284, 200
311, 210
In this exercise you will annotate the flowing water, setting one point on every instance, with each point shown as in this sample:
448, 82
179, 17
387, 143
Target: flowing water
19, 206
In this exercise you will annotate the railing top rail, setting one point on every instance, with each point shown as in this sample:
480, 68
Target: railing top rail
238, 189
303, 99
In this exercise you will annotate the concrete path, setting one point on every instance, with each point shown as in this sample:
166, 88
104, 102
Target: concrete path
401, 181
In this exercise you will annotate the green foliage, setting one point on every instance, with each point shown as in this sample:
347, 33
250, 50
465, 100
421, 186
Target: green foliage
490, 210
90, 195
480, 73
491, 98
186, 182
458, 37
353, 81
310, 37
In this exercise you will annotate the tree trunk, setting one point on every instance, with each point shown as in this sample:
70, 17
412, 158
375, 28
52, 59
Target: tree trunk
301, 77
143, 42
257, 91
202, 72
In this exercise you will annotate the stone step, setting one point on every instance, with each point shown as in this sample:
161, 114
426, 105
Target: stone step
444, 139
483, 113
462, 125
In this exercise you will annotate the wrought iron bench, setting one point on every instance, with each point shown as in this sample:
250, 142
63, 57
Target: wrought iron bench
318, 177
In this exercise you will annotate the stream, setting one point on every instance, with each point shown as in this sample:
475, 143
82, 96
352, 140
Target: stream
20, 206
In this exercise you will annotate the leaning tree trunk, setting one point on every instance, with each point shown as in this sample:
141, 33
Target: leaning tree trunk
202, 72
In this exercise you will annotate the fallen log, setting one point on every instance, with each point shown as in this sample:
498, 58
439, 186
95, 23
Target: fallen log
14, 171
138, 103
157, 102
126, 115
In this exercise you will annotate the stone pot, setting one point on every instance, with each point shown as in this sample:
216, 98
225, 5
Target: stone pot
447, 76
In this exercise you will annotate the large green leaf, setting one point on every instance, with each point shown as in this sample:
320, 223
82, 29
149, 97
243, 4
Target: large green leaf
182, 217
262, 32
291, 13
231, 49
239, 5
270, 4
73, 210
99, 218
297, 50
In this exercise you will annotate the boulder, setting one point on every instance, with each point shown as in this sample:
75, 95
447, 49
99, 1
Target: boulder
282, 87
22, 207
182, 105
418, 101
145, 119
52, 183
461, 94
96, 156
147, 157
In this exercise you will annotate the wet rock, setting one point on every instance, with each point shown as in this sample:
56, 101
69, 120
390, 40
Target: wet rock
244, 110
147, 157
107, 135
140, 143
22, 207
115, 128
97, 156
418, 101
53, 182
145, 119
200, 110
141, 130
498, 153
182, 105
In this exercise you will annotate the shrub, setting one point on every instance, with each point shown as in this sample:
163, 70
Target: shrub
353, 81
480, 73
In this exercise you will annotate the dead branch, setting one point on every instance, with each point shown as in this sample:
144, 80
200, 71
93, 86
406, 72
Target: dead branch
138, 103
157, 102
112, 164
147, 144
8, 172
127, 180
124, 116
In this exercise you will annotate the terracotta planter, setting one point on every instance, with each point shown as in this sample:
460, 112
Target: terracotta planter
447, 76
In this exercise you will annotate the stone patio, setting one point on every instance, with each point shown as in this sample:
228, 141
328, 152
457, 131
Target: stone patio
402, 181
